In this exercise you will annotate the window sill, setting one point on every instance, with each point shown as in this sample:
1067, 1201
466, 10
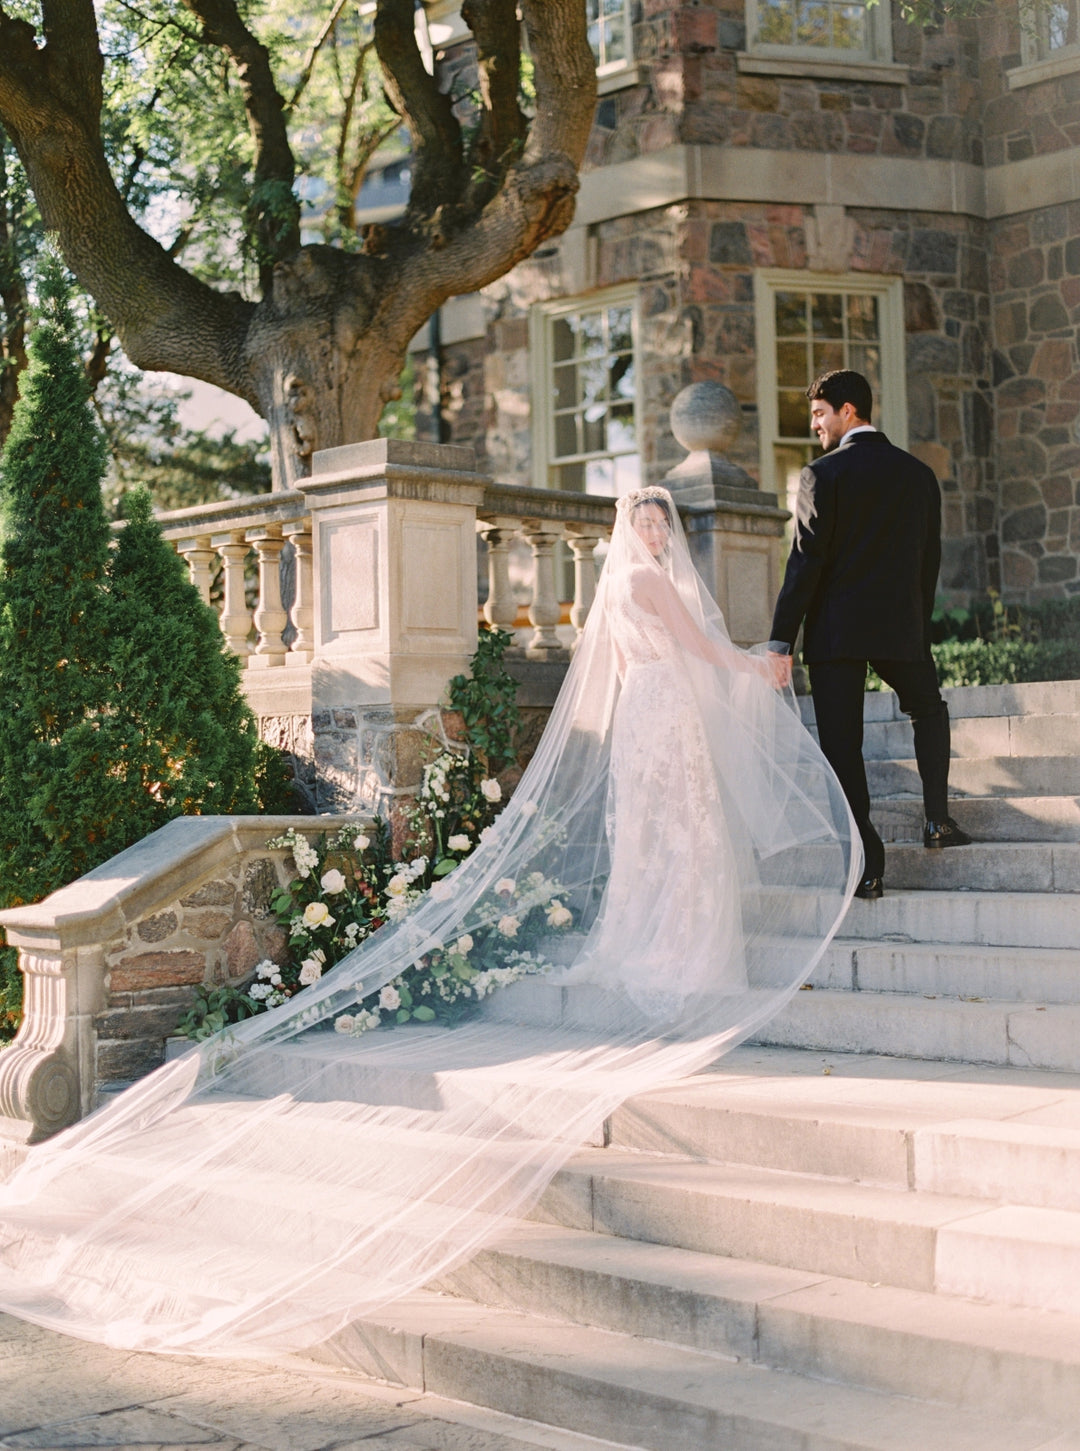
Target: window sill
1044, 70
620, 80
886, 73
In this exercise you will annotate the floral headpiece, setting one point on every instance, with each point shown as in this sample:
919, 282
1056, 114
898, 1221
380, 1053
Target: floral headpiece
651, 494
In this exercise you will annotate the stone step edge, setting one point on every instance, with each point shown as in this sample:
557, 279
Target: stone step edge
651, 1394
945, 1348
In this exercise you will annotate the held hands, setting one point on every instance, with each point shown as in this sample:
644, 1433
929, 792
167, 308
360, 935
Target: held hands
779, 670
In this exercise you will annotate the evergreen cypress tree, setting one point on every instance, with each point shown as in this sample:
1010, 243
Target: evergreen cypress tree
58, 805
191, 739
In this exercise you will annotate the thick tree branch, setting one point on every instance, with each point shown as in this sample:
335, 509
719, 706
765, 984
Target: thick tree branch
164, 317
502, 130
536, 198
274, 213
438, 166
313, 54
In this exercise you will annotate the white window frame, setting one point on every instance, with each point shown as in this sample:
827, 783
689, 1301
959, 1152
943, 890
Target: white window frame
890, 409
1038, 61
878, 35
605, 69
542, 363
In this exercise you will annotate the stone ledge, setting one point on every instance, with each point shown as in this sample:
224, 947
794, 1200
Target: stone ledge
887, 73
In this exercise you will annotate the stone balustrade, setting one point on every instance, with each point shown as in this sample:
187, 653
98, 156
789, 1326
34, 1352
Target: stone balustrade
111, 962
542, 518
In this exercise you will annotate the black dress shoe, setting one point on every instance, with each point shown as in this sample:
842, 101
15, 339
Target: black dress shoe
944, 833
870, 888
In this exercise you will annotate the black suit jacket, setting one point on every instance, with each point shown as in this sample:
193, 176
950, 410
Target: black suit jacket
863, 568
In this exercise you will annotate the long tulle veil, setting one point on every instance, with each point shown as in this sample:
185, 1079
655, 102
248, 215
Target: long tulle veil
283, 1179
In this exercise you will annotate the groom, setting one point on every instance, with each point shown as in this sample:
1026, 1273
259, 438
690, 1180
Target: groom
862, 574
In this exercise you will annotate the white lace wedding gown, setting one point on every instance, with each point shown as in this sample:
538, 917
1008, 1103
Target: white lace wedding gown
282, 1180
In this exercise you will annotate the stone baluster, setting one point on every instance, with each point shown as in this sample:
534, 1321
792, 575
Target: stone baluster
583, 539
501, 606
303, 605
270, 617
235, 615
543, 535
199, 557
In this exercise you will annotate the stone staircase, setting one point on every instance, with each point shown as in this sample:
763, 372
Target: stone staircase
814, 1246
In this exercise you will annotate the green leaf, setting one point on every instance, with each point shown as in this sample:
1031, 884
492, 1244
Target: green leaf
403, 1015
424, 1015
445, 866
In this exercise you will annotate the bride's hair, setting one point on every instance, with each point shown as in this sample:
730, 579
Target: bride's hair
652, 494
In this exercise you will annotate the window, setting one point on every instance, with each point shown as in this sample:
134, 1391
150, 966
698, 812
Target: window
585, 427
610, 34
806, 326
825, 29
1050, 29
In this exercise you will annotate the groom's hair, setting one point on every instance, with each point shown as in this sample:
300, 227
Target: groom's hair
843, 385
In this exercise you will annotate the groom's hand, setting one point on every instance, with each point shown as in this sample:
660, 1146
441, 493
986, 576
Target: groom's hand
779, 669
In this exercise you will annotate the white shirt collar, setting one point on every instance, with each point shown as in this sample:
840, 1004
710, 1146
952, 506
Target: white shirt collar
859, 428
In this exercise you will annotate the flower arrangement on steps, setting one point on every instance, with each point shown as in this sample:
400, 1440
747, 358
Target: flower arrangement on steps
350, 883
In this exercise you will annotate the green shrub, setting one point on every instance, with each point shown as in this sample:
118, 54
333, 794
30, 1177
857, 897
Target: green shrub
1006, 662
121, 707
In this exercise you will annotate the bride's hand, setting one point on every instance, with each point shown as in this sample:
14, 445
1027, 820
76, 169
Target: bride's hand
778, 669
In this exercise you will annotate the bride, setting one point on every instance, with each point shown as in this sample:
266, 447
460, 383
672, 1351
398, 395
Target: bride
283, 1179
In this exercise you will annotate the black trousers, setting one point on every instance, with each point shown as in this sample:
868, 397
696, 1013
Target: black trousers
837, 687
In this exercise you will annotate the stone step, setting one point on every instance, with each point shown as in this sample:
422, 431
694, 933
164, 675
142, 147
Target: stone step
952, 1244
648, 1394
972, 918
1040, 975
826, 1226
986, 818
1035, 698
978, 737
999, 866
1009, 1362
1023, 1035
988, 776
991, 1134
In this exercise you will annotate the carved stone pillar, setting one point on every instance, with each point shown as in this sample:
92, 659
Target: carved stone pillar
583, 541
200, 559
734, 529
235, 615
42, 1080
544, 612
501, 607
270, 616
303, 607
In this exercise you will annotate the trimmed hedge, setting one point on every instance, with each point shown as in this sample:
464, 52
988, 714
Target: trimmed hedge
1006, 662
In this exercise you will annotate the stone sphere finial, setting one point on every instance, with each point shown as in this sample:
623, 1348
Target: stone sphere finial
706, 416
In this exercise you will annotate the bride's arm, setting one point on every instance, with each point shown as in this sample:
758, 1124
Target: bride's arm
654, 592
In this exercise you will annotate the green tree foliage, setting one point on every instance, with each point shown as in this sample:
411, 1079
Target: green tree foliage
121, 708
190, 742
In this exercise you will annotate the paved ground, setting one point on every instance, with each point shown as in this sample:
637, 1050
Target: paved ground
60, 1393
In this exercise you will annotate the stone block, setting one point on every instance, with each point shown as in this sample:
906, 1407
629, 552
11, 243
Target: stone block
158, 927
206, 926
175, 968
210, 894
152, 1022
242, 950
260, 884
122, 1059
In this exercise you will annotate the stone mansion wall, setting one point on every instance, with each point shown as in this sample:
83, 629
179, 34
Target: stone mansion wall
716, 174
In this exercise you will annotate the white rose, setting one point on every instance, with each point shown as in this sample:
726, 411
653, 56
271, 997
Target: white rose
361, 842
464, 944
529, 808
396, 908
389, 999
344, 1024
397, 884
559, 916
332, 882
506, 886
458, 843
441, 891
317, 914
488, 834
490, 789
508, 926
310, 971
